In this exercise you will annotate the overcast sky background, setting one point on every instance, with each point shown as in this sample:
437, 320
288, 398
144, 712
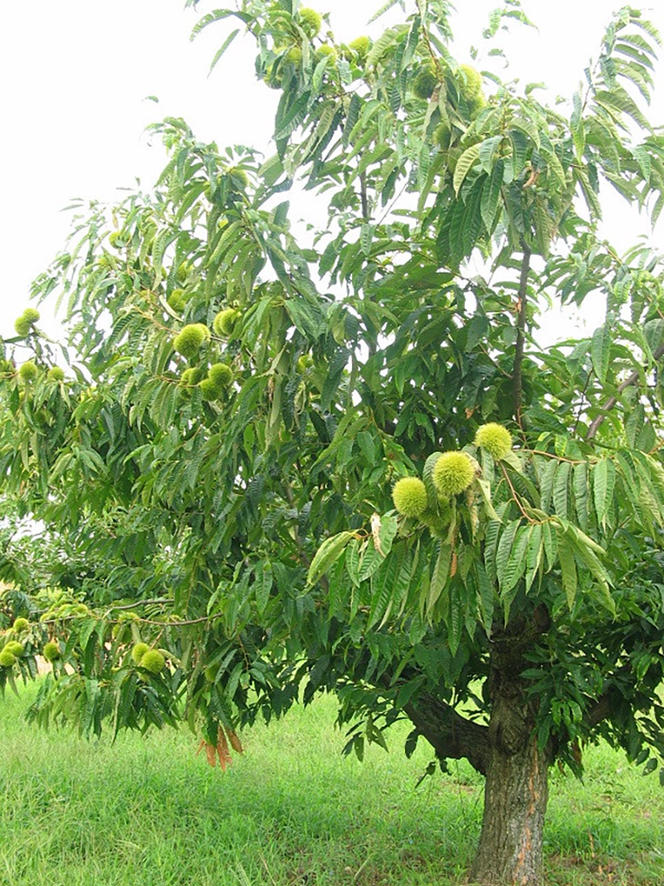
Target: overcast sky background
76, 75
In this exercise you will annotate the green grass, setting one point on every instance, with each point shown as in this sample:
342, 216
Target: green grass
290, 812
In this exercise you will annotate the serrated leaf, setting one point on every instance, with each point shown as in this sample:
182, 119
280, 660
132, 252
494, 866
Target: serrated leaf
516, 562
546, 483
600, 351
567, 567
561, 489
464, 164
439, 576
505, 548
327, 554
603, 477
485, 598
370, 560
580, 484
533, 554
485, 491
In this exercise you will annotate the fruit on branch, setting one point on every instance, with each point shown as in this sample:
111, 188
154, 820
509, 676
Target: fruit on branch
441, 135
21, 625
22, 326
219, 377
294, 56
28, 371
188, 341
326, 51
209, 390
178, 299
51, 651
191, 377
225, 321
495, 439
55, 373
138, 651
410, 496
239, 177
360, 46
310, 21
153, 661
31, 315
7, 658
221, 374
471, 88
425, 82
15, 648
453, 473
471, 82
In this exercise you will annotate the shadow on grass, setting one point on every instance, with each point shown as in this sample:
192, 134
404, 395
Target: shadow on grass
290, 811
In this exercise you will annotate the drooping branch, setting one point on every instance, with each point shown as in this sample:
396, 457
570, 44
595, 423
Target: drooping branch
631, 379
522, 304
451, 735
601, 710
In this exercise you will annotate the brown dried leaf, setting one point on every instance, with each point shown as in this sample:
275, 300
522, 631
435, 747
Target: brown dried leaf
454, 564
236, 744
375, 532
225, 758
210, 753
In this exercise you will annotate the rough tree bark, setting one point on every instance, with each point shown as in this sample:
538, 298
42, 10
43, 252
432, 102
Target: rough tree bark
506, 753
515, 798
516, 787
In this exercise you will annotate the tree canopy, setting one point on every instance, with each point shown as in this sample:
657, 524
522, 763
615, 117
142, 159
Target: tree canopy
293, 461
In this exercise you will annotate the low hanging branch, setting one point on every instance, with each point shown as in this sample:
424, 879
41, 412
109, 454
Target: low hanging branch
517, 376
450, 734
631, 379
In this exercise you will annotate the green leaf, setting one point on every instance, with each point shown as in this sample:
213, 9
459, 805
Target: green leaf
561, 489
516, 562
603, 479
505, 549
427, 477
464, 164
580, 483
222, 49
439, 576
327, 554
567, 567
491, 194
600, 351
534, 554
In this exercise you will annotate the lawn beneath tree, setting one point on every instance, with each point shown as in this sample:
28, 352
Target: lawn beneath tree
291, 811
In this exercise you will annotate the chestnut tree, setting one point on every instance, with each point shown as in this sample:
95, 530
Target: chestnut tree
274, 460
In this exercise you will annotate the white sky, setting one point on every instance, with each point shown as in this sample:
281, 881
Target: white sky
76, 74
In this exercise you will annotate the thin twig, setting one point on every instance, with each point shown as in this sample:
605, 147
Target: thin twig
631, 379
571, 461
517, 378
363, 196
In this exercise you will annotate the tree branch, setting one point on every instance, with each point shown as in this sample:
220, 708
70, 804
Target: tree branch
598, 712
517, 378
450, 734
363, 197
631, 379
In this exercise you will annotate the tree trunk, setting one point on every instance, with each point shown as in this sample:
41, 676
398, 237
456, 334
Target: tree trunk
506, 753
516, 787
515, 796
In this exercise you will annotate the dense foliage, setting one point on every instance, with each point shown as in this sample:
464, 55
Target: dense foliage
215, 468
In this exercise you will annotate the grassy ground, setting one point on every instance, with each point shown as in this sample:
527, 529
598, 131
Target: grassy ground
290, 812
